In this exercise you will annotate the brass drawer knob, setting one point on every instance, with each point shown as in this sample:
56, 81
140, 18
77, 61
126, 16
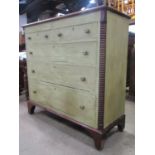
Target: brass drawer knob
46, 36
85, 53
29, 38
59, 34
34, 92
82, 107
33, 71
31, 53
87, 31
83, 79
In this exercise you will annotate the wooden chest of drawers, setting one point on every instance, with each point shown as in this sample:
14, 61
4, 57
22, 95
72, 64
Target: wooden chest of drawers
77, 68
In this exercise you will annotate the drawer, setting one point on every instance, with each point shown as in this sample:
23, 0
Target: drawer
86, 32
69, 75
38, 28
37, 92
76, 20
78, 105
75, 53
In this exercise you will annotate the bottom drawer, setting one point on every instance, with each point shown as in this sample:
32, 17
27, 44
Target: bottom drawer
76, 104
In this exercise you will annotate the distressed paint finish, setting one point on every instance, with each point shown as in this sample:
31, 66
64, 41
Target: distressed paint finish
85, 52
74, 103
72, 21
60, 63
116, 64
67, 75
75, 33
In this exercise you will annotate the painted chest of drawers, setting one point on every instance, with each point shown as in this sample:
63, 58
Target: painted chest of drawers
77, 68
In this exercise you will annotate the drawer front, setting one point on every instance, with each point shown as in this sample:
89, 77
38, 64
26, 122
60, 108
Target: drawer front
37, 93
68, 75
75, 53
78, 105
77, 20
38, 28
87, 32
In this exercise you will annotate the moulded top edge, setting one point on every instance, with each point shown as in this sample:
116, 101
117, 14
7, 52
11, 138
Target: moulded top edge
77, 13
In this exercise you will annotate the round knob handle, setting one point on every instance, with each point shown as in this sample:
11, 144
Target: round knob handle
29, 38
46, 36
33, 71
31, 53
85, 53
82, 107
83, 79
60, 35
87, 31
34, 92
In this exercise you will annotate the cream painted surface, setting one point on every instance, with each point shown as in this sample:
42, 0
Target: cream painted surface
72, 53
68, 34
60, 63
116, 67
72, 21
78, 105
68, 75
38, 28
41, 93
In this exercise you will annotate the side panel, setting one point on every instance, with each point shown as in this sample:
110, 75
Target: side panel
116, 65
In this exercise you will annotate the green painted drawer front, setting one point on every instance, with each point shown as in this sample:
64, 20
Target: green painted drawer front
78, 105
75, 53
37, 93
87, 32
67, 75
77, 20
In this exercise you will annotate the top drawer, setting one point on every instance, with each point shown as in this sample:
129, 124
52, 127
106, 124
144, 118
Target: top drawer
76, 20
86, 32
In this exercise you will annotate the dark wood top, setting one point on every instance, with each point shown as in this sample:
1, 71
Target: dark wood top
77, 13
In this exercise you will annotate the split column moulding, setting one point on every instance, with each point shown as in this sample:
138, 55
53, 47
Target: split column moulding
77, 68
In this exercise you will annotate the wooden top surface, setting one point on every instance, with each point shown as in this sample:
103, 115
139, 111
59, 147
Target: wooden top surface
77, 13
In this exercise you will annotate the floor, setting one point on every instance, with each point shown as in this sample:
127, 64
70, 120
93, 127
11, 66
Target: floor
43, 134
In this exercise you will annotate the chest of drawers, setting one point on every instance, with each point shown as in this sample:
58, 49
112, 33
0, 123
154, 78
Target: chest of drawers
77, 68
